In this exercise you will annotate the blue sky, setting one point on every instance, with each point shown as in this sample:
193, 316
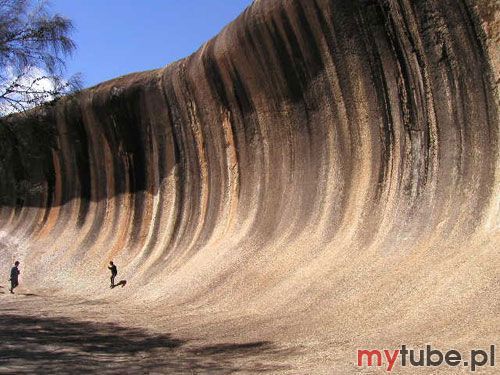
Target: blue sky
116, 37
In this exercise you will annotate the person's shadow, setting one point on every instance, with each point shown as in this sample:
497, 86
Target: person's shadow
122, 283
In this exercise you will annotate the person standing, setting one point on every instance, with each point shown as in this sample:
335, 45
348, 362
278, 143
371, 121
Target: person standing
14, 276
114, 272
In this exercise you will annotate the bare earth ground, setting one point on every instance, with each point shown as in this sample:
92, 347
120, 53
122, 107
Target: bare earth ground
66, 334
44, 334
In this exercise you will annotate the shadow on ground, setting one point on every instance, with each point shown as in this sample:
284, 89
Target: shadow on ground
122, 283
60, 345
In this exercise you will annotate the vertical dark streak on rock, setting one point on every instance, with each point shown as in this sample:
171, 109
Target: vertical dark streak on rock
181, 167
371, 17
308, 134
80, 141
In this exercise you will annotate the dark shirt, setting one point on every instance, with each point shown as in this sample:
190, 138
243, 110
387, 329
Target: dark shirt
113, 269
14, 273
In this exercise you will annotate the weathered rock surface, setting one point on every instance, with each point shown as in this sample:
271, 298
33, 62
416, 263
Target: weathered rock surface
322, 163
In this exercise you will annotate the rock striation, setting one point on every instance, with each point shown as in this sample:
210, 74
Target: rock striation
338, 159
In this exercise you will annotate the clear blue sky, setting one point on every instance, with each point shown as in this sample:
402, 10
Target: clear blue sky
116, 37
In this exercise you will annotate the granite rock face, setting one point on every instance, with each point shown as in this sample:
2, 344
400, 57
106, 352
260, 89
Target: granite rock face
311, 148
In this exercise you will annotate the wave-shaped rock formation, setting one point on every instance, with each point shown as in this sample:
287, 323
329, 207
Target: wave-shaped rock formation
327, 163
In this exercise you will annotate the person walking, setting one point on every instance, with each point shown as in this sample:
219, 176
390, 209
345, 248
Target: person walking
114, 272
14, 277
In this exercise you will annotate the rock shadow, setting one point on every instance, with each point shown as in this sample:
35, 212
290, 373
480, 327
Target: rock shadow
61, 345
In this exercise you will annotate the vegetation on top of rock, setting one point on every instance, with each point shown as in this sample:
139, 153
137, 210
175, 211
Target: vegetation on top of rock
33, 45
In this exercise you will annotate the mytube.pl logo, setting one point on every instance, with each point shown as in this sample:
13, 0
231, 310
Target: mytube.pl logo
427, 357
